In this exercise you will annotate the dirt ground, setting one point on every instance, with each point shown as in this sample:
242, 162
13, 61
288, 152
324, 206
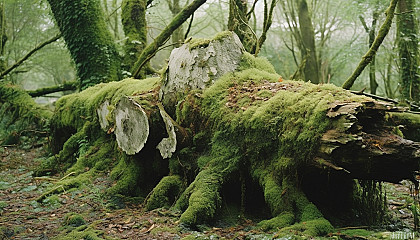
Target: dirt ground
22, 217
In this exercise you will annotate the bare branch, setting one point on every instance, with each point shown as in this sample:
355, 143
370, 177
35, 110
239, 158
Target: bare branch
30, 53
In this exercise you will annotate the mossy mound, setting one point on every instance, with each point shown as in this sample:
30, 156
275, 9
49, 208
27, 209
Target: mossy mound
20, 115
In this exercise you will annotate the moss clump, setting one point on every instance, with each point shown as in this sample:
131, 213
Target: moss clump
248, 61
82, 232
203, 42
409, 122
283, 220
198, 43
165, 193
73, 220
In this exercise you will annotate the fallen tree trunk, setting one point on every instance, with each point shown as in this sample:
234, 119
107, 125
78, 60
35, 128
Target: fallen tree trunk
243, 136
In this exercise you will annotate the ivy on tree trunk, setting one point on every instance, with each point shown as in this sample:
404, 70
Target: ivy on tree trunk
89, 41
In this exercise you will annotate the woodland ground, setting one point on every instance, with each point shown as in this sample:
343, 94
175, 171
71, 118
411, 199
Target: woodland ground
22, 217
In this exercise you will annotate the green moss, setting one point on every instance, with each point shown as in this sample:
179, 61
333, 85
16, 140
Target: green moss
74, 220
75, 109
357, 232
249, 61
410, 124
89, 41
203, 195
273, 127
283, 220
133, 18
165, 193
198, 43
203, 42
126, 173
82, 232
18, 113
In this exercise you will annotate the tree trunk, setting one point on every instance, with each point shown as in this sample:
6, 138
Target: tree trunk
133, 18
239, 23
407, 31
89, 41
308, 49
286, 141
3, 38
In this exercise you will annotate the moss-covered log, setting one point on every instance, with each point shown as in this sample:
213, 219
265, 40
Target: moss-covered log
20, 115
257, 142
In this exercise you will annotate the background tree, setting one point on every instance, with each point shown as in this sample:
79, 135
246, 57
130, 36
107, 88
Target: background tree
135, 29
91, 46
408, 50
3, 38
371, 30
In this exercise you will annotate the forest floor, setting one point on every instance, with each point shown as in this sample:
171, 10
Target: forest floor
84, 213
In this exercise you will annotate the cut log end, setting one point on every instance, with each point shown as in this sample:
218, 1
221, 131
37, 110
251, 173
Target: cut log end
131, 126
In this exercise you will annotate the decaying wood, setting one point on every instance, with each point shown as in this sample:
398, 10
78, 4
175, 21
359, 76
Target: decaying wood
198, 68
365, 147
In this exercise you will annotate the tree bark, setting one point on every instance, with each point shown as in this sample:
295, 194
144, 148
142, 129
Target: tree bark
178, 34
90, 43
308, 48
133, 19
239, 23
407, 30
3, 38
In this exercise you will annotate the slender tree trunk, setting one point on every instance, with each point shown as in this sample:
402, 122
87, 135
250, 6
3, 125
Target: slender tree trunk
3, 39
134, 25
89, 41
408, 50
367, 58
372, 67
308, 50
239, 23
